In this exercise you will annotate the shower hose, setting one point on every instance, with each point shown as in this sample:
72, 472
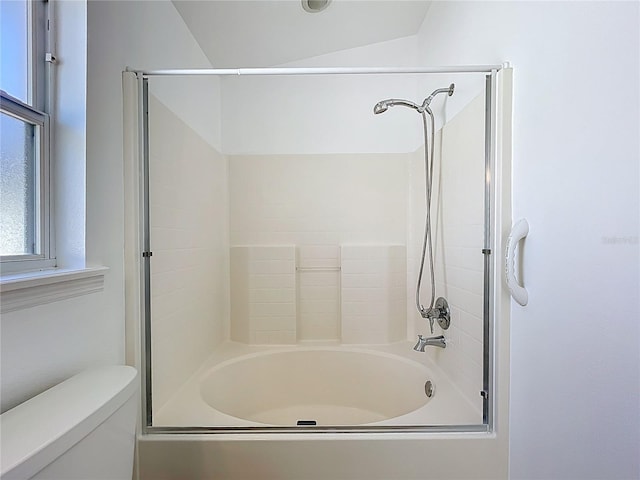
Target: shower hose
427, 243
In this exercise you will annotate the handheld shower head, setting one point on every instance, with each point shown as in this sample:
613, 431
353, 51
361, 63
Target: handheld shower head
381, 107
384, 105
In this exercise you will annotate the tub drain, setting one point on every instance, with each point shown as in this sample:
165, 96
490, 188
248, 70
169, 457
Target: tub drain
429, 389
306, 422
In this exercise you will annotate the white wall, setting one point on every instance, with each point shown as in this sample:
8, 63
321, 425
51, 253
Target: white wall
574, 348
69, 142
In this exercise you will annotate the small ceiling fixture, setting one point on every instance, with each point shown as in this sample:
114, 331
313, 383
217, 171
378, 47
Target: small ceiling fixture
315, 6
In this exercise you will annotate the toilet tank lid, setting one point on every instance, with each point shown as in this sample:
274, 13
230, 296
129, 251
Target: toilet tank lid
39, 430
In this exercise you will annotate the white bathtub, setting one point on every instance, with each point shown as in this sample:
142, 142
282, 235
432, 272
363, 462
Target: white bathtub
237, 387
334, 386
328, 386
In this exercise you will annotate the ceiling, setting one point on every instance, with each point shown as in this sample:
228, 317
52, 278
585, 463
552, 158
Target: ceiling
259, 33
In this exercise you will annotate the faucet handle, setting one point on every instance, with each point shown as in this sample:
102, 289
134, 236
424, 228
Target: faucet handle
440, 312
428, 314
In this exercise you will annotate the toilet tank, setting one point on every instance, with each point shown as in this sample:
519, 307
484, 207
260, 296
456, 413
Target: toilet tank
83, 428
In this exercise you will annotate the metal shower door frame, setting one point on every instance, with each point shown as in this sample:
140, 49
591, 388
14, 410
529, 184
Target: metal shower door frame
488, 250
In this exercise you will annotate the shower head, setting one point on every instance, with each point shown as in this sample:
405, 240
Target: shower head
384, 105
380, 107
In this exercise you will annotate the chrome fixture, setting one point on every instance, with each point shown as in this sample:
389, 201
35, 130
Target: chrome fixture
429, 388
439, 311
315, 6
424, 342
384, 105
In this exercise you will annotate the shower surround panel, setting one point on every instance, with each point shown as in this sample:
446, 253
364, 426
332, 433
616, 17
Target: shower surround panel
189, 240
305, 200
374, 293
263, 294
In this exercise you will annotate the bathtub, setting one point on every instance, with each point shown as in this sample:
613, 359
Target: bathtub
261, 386
316, 386
380, 386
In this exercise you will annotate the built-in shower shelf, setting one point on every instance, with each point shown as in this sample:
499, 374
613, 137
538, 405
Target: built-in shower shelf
284, 294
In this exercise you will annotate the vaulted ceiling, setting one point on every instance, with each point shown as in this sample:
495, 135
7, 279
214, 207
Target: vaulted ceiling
257, 33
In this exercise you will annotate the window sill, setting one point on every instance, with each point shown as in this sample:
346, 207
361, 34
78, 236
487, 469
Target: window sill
25, 290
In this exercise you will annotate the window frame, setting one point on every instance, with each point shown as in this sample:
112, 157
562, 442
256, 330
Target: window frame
36, 112
45, 258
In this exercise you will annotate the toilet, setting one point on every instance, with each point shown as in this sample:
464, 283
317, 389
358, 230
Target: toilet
83, 428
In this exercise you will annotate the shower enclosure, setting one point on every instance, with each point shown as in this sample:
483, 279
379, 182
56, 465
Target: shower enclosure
280, 243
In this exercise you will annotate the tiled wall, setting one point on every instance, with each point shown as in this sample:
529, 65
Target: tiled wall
263, 294
189, 267
332, 199
373, 294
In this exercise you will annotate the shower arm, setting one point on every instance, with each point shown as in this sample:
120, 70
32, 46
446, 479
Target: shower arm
428, 100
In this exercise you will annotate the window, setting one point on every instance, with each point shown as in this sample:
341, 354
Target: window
26, 242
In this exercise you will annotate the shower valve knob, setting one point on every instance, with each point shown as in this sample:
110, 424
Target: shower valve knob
439, 312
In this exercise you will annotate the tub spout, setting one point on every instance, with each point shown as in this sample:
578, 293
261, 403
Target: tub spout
423, 342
